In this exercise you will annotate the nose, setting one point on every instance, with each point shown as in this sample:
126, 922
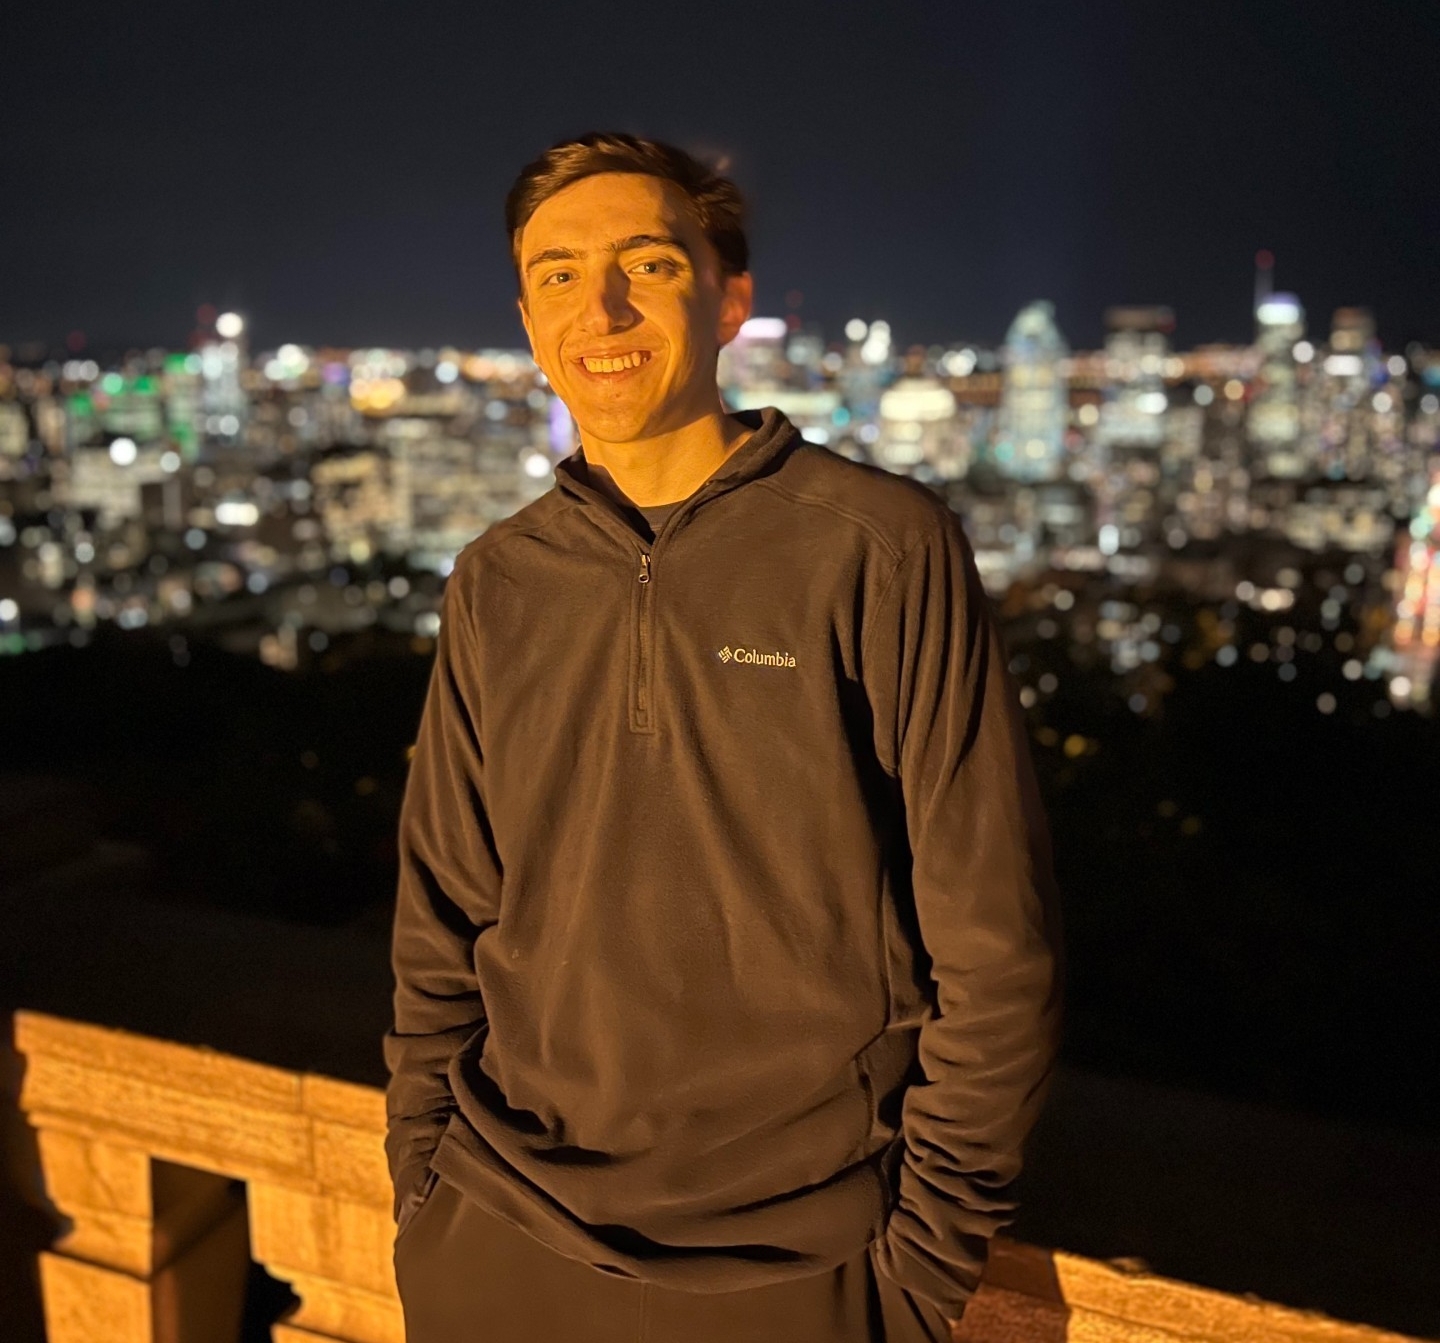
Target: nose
606, 307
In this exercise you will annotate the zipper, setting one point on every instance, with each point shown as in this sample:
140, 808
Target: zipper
644, 656
640, 707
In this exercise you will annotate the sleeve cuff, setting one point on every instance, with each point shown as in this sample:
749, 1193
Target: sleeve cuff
946, 1288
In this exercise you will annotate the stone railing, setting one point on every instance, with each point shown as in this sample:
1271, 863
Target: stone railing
173, 1167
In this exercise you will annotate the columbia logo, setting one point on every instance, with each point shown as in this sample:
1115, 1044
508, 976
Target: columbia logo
755, 656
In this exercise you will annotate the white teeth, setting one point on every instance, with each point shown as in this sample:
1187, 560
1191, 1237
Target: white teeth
616, 365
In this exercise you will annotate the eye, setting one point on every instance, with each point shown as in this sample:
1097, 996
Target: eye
662, 266
556, 277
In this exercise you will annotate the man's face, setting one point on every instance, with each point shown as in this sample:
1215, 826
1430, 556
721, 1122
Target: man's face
625, 305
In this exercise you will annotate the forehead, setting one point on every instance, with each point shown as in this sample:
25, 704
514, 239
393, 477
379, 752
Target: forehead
608, 206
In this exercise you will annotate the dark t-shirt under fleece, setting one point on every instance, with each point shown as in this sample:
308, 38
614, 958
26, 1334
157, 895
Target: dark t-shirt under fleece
726, 932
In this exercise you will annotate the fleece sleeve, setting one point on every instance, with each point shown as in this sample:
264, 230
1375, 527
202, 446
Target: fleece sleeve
987, 909
448, 891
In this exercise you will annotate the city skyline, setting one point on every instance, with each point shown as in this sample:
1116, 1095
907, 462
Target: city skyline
230, 482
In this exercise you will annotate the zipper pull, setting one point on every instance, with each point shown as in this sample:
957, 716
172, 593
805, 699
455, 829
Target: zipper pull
644, 567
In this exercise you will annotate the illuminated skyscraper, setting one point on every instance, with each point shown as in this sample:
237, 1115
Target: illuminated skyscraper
223, 398
182, 402
1137, 344
918, 432
130, 405
1132, 428
1273, 421
1339, 396
1033, 406
14, 434
1352, 330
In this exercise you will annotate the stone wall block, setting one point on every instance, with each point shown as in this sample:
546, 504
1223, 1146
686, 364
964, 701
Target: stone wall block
85, 1303
343, 1102
84, 1173
334, 1310
1178, 1309
1087, 1327
192, 1069
188, 1127
350, 1162
125, 1243
294, 1233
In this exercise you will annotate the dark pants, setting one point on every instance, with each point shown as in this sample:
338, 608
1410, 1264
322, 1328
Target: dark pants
467, 1277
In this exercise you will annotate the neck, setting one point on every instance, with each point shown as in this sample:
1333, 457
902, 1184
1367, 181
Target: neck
673, 465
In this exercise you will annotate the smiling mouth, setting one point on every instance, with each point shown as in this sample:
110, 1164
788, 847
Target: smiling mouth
618, 364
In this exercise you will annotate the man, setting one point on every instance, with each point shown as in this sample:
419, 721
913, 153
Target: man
724, 949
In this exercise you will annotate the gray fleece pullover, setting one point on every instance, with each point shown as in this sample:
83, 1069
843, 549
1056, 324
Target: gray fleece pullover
726, 937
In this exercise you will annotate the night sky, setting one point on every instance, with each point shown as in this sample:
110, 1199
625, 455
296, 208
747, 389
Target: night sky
337, 171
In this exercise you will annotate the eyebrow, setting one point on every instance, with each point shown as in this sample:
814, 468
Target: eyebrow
630, 244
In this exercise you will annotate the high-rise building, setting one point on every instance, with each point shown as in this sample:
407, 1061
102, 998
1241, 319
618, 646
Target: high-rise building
1273, 420
222, 398
131, 406
14, 432
918, 432
1352, 330
182, 402
1339, 395
1131, 431
1137, 344
1034, 404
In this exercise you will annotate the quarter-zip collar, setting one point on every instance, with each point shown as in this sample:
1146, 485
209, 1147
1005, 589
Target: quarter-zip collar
763, 452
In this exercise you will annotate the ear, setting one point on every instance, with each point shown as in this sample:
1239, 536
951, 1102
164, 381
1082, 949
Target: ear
735, 303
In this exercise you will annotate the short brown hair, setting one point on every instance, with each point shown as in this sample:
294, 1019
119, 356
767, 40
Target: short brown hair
716, 201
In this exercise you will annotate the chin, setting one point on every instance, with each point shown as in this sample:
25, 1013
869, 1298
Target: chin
612, 426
